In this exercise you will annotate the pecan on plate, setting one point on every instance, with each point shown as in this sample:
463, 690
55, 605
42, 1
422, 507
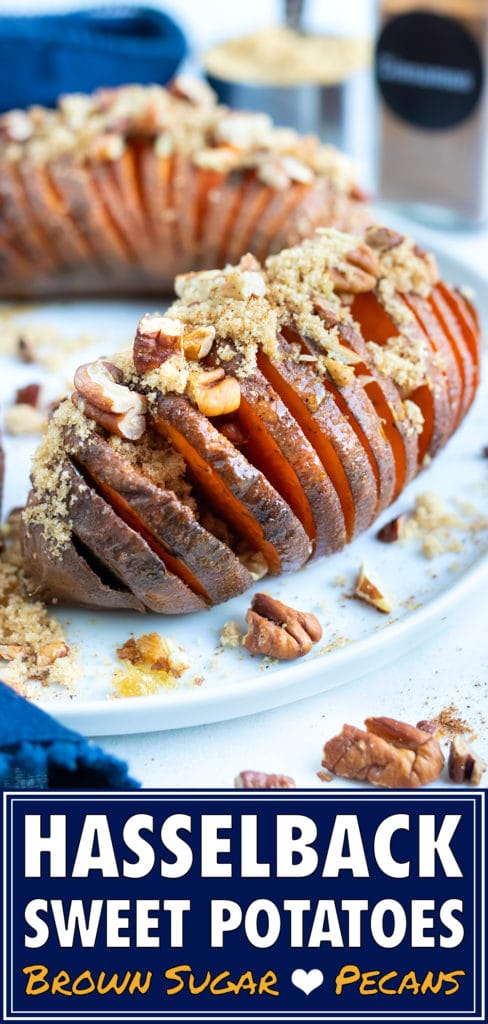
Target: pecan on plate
278, 631
261, 780
463, 764
390, 753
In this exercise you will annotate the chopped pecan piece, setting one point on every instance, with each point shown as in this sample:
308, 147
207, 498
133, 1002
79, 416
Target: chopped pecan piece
382, 238
463, 764
390, 753
260, 780
8, 652
428, 725
278, 631
51, 652
29, 395
157, 339
325, 311
391, 531
25, 350
367, 589
198, 342
215, 394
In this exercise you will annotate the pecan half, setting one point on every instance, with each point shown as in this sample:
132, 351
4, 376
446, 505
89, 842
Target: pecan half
157, 339
261, 780
101, 396
390, 753
463, 764
198, 342
215, 394
276, 630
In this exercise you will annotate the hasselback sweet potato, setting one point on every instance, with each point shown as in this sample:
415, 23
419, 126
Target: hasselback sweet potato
117, 192
267, 418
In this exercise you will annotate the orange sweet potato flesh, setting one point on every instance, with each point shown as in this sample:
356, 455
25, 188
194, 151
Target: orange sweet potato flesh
453, 331
432, 398
265, 406
234, 488
467, 319
353, 401
446, 359
329, 432
385, 397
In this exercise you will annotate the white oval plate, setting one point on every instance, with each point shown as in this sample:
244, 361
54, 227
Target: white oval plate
227, 683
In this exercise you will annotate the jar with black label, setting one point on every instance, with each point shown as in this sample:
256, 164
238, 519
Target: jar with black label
430, 65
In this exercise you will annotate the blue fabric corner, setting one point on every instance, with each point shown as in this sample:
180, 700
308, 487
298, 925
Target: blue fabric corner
36, 752
83, 50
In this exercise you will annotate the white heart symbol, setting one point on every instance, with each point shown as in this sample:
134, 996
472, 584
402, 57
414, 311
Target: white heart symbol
307, 980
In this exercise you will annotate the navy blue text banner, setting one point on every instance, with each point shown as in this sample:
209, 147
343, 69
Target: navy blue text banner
205, 905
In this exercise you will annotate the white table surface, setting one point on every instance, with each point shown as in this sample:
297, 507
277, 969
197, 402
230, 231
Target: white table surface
451, 668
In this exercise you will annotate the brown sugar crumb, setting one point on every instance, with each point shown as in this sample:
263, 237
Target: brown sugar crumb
438, 528
404, 360
155, 663
449, 722
159, 461
23, 418
40, 343
51, 483
32, 642
231, 634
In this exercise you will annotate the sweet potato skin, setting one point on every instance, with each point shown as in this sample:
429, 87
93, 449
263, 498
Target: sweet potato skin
245, 490
125, 553
68, 579
172, 524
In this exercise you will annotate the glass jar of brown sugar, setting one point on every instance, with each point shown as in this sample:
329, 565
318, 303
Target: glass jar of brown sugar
430, 64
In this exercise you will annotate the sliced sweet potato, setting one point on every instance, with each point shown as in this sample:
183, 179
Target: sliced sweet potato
353, 401
262, 407
62, 233
206, 566
21, 227
452, 330
444, 354
255, 199
329, 432
68, 578
85, 206
466, 316
116, 183
125, 553
234, 488
386, 399
432, 397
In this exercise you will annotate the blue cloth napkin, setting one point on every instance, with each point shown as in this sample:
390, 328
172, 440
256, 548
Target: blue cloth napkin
36, 752
43, 56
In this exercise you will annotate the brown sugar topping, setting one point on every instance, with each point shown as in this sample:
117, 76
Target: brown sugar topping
184, 118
